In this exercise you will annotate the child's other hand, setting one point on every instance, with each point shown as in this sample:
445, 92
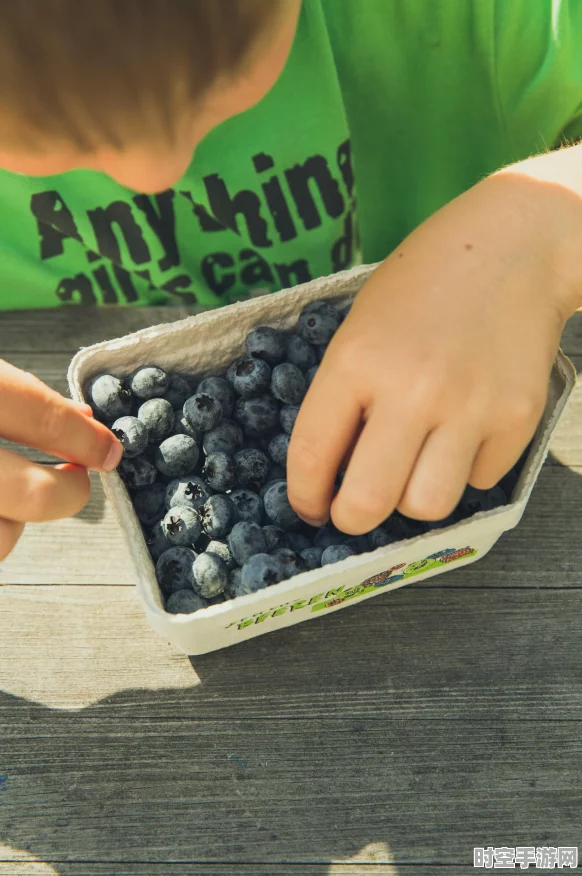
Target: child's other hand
36, 416
438, 377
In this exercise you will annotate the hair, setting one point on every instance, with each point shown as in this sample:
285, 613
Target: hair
106, 71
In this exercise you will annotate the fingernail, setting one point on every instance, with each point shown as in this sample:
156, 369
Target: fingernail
113, 457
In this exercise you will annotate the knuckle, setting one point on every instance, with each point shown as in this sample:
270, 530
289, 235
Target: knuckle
303, 453
53, 422
526, 409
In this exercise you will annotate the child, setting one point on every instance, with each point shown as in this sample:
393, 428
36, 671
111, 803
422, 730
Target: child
193, 150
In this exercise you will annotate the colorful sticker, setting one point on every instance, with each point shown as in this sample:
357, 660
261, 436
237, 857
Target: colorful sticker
337, 595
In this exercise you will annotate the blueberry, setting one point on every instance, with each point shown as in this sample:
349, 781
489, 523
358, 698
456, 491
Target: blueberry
227, 437
245, 540
202, 411
191, 492
219, 472
219, 389
178, 391
109, 398
137, 472
252, 467
270, 483
249, 377
328, 535
176, 456
185, 602
298, 542
509, 481
216, 600
275, 538
311, 556
210, 575
132, 434
276, 473
358, 543
222, 550
278, 447
157, 415
181, 525
288, 384
156, 541
248, 505
380, 536
300, 353
474, 500
266, 343
261, 571
175, 569
149, 382
287, 417
257, 416
293, 563
234, 585
318, 322
335, 553
218, 515
183, 427
149, 503
311, 374
278, 508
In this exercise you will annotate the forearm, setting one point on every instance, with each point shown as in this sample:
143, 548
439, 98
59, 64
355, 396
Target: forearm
547, 189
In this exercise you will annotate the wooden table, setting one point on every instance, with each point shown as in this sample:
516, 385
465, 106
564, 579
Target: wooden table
388, 738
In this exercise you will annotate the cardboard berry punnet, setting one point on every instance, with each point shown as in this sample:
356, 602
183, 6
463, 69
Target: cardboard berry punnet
206, 344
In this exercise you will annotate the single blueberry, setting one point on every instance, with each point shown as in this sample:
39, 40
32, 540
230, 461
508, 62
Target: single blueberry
185, 602
335, 553
275, 538
181, 525
257, 416
234, 585
278, 507
218, 515
261, 570
246, 539
311, 556
203, 412
132, 434
178, 391
475, 500
248, 505
219, 472
300, 353
183, 427
157, 415
137, 472
278, 447
311, 374
380, 536
318, 322
328, 535
191, 492
270, 483
288, 384
249, 377
287, 417
252, 468
266, 343
175, 570
219, 389
177, 456
227, 437
156, 541
109, 398
149, 382
210, 575
298, 541
292, 562
222, 550
149, 503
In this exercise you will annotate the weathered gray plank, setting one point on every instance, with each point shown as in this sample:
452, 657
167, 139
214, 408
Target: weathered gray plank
545, 550
226, 869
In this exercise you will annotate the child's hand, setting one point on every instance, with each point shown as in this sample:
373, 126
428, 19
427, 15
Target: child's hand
443, 363
34, 415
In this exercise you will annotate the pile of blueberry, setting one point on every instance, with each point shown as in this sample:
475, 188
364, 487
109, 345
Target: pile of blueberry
204, 464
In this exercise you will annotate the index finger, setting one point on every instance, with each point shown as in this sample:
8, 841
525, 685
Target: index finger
33, 414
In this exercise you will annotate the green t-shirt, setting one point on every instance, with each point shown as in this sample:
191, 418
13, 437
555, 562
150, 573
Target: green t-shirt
385, 111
